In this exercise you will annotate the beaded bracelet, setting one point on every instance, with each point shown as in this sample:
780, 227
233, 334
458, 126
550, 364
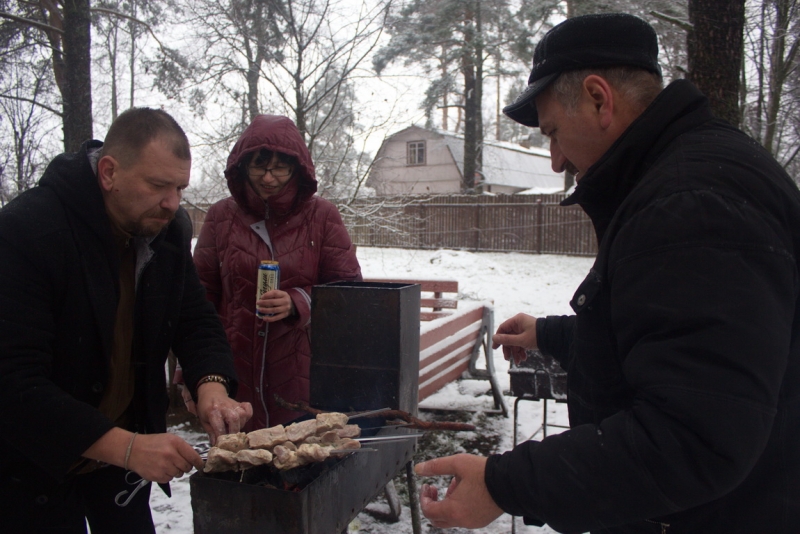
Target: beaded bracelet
219, 379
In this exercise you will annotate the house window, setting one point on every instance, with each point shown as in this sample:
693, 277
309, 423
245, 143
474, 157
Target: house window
416, 153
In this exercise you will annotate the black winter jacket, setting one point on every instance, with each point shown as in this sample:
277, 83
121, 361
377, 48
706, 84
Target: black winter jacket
683, 357
59, 277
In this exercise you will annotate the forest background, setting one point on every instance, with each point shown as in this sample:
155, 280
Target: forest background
350, 72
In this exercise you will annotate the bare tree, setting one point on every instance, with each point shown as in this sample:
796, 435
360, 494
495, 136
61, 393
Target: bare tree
771, 78
67, 30
235, 38
326, 46
22, 120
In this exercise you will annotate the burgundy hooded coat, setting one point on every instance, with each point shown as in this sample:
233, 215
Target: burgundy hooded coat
300, 230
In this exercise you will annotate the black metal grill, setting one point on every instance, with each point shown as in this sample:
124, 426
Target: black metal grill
539, 376
365, 356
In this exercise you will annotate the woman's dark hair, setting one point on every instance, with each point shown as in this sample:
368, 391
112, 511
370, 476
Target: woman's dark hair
263, 157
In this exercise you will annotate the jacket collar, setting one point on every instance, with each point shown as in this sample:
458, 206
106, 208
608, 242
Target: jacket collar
678, 108
74, 181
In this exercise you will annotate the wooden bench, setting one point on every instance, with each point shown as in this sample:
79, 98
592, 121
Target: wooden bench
453, 335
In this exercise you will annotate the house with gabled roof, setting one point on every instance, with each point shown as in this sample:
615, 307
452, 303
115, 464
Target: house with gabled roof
418, 161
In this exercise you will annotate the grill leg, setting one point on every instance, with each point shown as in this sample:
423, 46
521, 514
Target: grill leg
413, 498
544, 418
394, 502
516, 413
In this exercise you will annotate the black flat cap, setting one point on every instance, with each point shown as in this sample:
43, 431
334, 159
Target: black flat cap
603, 40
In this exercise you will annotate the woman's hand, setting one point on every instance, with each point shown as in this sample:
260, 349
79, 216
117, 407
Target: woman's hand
275, 305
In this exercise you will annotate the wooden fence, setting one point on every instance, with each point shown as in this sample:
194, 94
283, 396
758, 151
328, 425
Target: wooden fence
503, 223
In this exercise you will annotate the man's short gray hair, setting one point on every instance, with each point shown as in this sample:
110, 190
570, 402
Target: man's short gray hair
638, 86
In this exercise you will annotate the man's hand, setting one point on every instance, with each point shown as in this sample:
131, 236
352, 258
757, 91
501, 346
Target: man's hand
467, 502
155, 457
218, 413
162, 457
516, 335
276, 304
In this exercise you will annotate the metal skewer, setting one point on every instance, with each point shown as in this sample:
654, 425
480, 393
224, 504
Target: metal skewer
367, 414
390, 438
346, 451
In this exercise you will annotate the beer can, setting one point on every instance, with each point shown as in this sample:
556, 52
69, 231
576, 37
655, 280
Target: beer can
269, 278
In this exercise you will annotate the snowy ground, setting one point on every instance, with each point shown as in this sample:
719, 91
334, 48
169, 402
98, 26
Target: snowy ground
534, 284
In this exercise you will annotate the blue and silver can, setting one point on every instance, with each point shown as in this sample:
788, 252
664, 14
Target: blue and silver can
269, 278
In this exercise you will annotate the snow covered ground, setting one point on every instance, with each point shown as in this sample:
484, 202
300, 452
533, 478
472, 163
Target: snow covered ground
534, 284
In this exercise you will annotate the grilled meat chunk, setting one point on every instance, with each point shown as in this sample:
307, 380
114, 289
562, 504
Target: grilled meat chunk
297, 432
329, 437
283, 458
312, 452
348, 431
329, 421
267, 438
233, 442
347, 444
220, 460
250, 458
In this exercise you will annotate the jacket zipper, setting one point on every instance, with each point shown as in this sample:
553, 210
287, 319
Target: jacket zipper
664, 526
261, 385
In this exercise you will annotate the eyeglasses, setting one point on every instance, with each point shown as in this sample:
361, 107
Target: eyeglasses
277, 172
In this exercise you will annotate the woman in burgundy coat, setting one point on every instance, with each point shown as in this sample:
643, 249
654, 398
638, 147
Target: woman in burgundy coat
272, 214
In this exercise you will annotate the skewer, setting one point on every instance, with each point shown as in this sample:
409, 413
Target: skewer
367, 414
390, 438
412, 421
347, 451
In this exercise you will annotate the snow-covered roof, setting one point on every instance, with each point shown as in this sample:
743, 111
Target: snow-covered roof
509, 164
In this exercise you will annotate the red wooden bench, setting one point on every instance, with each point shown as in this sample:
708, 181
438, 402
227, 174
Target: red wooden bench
453, 335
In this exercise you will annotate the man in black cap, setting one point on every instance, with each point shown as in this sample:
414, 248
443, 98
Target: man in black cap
683, 355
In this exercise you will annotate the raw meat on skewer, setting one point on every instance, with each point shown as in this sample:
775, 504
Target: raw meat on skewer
233, 442
297, 432
220, 460
251, 458
267, 438
330, 421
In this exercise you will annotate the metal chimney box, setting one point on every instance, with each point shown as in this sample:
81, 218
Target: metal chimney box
365, 346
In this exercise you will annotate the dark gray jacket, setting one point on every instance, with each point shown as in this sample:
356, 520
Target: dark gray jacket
683, 357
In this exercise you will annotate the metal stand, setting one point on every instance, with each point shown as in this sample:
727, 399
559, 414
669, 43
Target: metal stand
487, 329
413, 498
395, 508
542, 428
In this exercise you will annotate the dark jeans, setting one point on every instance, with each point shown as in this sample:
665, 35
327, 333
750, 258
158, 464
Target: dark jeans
65, 508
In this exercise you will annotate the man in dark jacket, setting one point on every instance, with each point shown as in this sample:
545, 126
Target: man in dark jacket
97, 285
683, 356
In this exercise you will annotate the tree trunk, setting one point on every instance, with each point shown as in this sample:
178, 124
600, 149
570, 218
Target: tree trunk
255, 58
470, 130
471, 114
111, 46
445, 100
253, 73
134, 29
77, 95
715, 48
780, 68
478, 55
